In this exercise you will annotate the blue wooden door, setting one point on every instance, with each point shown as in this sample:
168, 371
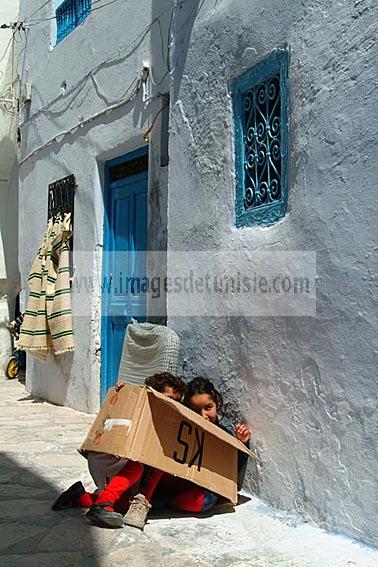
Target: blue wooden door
125, 258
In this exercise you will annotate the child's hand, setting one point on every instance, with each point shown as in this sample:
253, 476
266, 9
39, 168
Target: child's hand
118, 386
242, 432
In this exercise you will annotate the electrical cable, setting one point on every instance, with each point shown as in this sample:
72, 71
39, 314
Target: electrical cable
179, 4
121, 54
17, 63
149, 130
38, 9
9, 102
136, 41
169, 43
132, 46
23, 50
103, 5
86, 121
7, 110
157, 83
105, 95
31, 23
8, 45
8, 88
8, 99
195, 8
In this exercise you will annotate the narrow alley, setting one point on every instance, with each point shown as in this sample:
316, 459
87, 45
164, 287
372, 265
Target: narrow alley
38, 444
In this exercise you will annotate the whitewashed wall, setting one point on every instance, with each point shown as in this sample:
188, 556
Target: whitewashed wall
81, 76
8, 14
306, 386
9, 277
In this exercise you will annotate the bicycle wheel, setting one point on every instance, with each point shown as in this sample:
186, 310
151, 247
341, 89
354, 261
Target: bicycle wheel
11, 368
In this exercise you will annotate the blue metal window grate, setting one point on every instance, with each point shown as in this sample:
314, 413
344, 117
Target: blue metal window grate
69, 15
260, 113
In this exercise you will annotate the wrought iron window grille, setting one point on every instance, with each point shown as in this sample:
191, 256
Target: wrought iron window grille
260, 101
127, 168
69, 14
61, 198
61, 201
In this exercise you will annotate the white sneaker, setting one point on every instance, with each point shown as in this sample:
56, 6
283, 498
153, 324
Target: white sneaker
136, 515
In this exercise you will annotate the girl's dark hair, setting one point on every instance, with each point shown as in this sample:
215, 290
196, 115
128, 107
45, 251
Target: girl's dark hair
200, 385
163, 380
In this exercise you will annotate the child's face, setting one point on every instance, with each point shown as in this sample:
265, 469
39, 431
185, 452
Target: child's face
204, 405
171, 393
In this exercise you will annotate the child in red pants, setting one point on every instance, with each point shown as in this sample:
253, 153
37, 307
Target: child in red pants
114, 476
201, 397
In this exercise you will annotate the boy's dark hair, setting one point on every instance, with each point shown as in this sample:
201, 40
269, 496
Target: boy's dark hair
163, 380
200, 385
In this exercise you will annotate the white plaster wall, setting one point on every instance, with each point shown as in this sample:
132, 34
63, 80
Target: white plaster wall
306, 386
81, 76
9, 277
8, 14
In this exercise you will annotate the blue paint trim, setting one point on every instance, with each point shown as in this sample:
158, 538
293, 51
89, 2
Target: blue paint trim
269, 214
69, 15
127, 157
106, 360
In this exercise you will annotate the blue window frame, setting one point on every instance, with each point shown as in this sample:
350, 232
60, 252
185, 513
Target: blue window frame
69, 14
260, 98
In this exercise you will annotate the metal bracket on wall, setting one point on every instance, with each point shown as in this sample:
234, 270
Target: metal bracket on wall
164, 132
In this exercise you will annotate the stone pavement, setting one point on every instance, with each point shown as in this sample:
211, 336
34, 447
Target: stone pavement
38, 459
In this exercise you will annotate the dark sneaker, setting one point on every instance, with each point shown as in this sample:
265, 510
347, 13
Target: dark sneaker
98, 516
136, 515
69, 498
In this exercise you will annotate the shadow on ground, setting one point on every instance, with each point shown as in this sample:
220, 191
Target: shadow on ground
224, 507
32, 399
31, 533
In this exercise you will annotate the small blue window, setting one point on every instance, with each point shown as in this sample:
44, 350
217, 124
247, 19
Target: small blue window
69, 15
260, 112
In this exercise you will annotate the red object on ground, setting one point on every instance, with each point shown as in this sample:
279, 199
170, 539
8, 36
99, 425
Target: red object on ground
86, 500
120, 483
191, 500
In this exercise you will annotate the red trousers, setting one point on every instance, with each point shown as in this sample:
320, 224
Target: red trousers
183, 495
116, 491
175, 492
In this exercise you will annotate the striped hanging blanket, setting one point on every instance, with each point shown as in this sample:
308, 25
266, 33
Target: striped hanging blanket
48, 324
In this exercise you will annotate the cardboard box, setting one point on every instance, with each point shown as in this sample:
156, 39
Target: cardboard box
146, 426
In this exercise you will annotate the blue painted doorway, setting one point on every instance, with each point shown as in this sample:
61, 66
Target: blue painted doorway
124, 256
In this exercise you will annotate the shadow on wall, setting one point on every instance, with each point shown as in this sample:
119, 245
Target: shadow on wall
180, 30
32, 533
9, 225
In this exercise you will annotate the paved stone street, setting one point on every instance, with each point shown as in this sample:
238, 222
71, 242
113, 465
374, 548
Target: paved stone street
39, 459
